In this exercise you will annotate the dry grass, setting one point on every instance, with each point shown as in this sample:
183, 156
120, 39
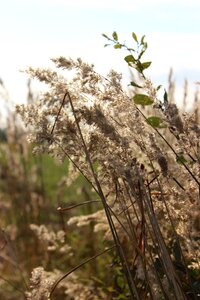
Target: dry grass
143, 166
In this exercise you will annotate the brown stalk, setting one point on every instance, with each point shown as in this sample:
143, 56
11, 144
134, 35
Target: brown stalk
77, 267
60, 209
132, 287
59, 111
162, 194
167, 263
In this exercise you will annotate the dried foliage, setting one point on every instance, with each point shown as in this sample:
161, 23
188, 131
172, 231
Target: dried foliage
143, 166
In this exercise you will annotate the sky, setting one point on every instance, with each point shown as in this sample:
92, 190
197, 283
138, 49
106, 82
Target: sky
33, 31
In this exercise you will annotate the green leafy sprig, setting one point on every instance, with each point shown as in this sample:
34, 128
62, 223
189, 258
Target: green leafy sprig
134, 58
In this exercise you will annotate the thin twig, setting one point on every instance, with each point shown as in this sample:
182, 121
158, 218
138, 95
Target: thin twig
77, 267
60, 209
57, 116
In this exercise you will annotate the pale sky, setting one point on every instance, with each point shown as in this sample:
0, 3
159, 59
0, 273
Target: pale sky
33, 31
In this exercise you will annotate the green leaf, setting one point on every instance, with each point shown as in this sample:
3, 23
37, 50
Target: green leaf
115, 36
139, 67
134, 36
129, 59
117, 46
135, 84
180, 159
104, 35
145, 45
106, 45
145, 65
141, 53
158, 87
154, 121
142, 40
165, 97
142, 99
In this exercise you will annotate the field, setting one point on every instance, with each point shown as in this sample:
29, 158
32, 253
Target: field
100, 192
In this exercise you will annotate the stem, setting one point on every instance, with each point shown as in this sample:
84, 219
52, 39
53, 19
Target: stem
77, 267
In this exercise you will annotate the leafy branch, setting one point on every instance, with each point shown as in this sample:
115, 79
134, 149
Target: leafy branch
134, 58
